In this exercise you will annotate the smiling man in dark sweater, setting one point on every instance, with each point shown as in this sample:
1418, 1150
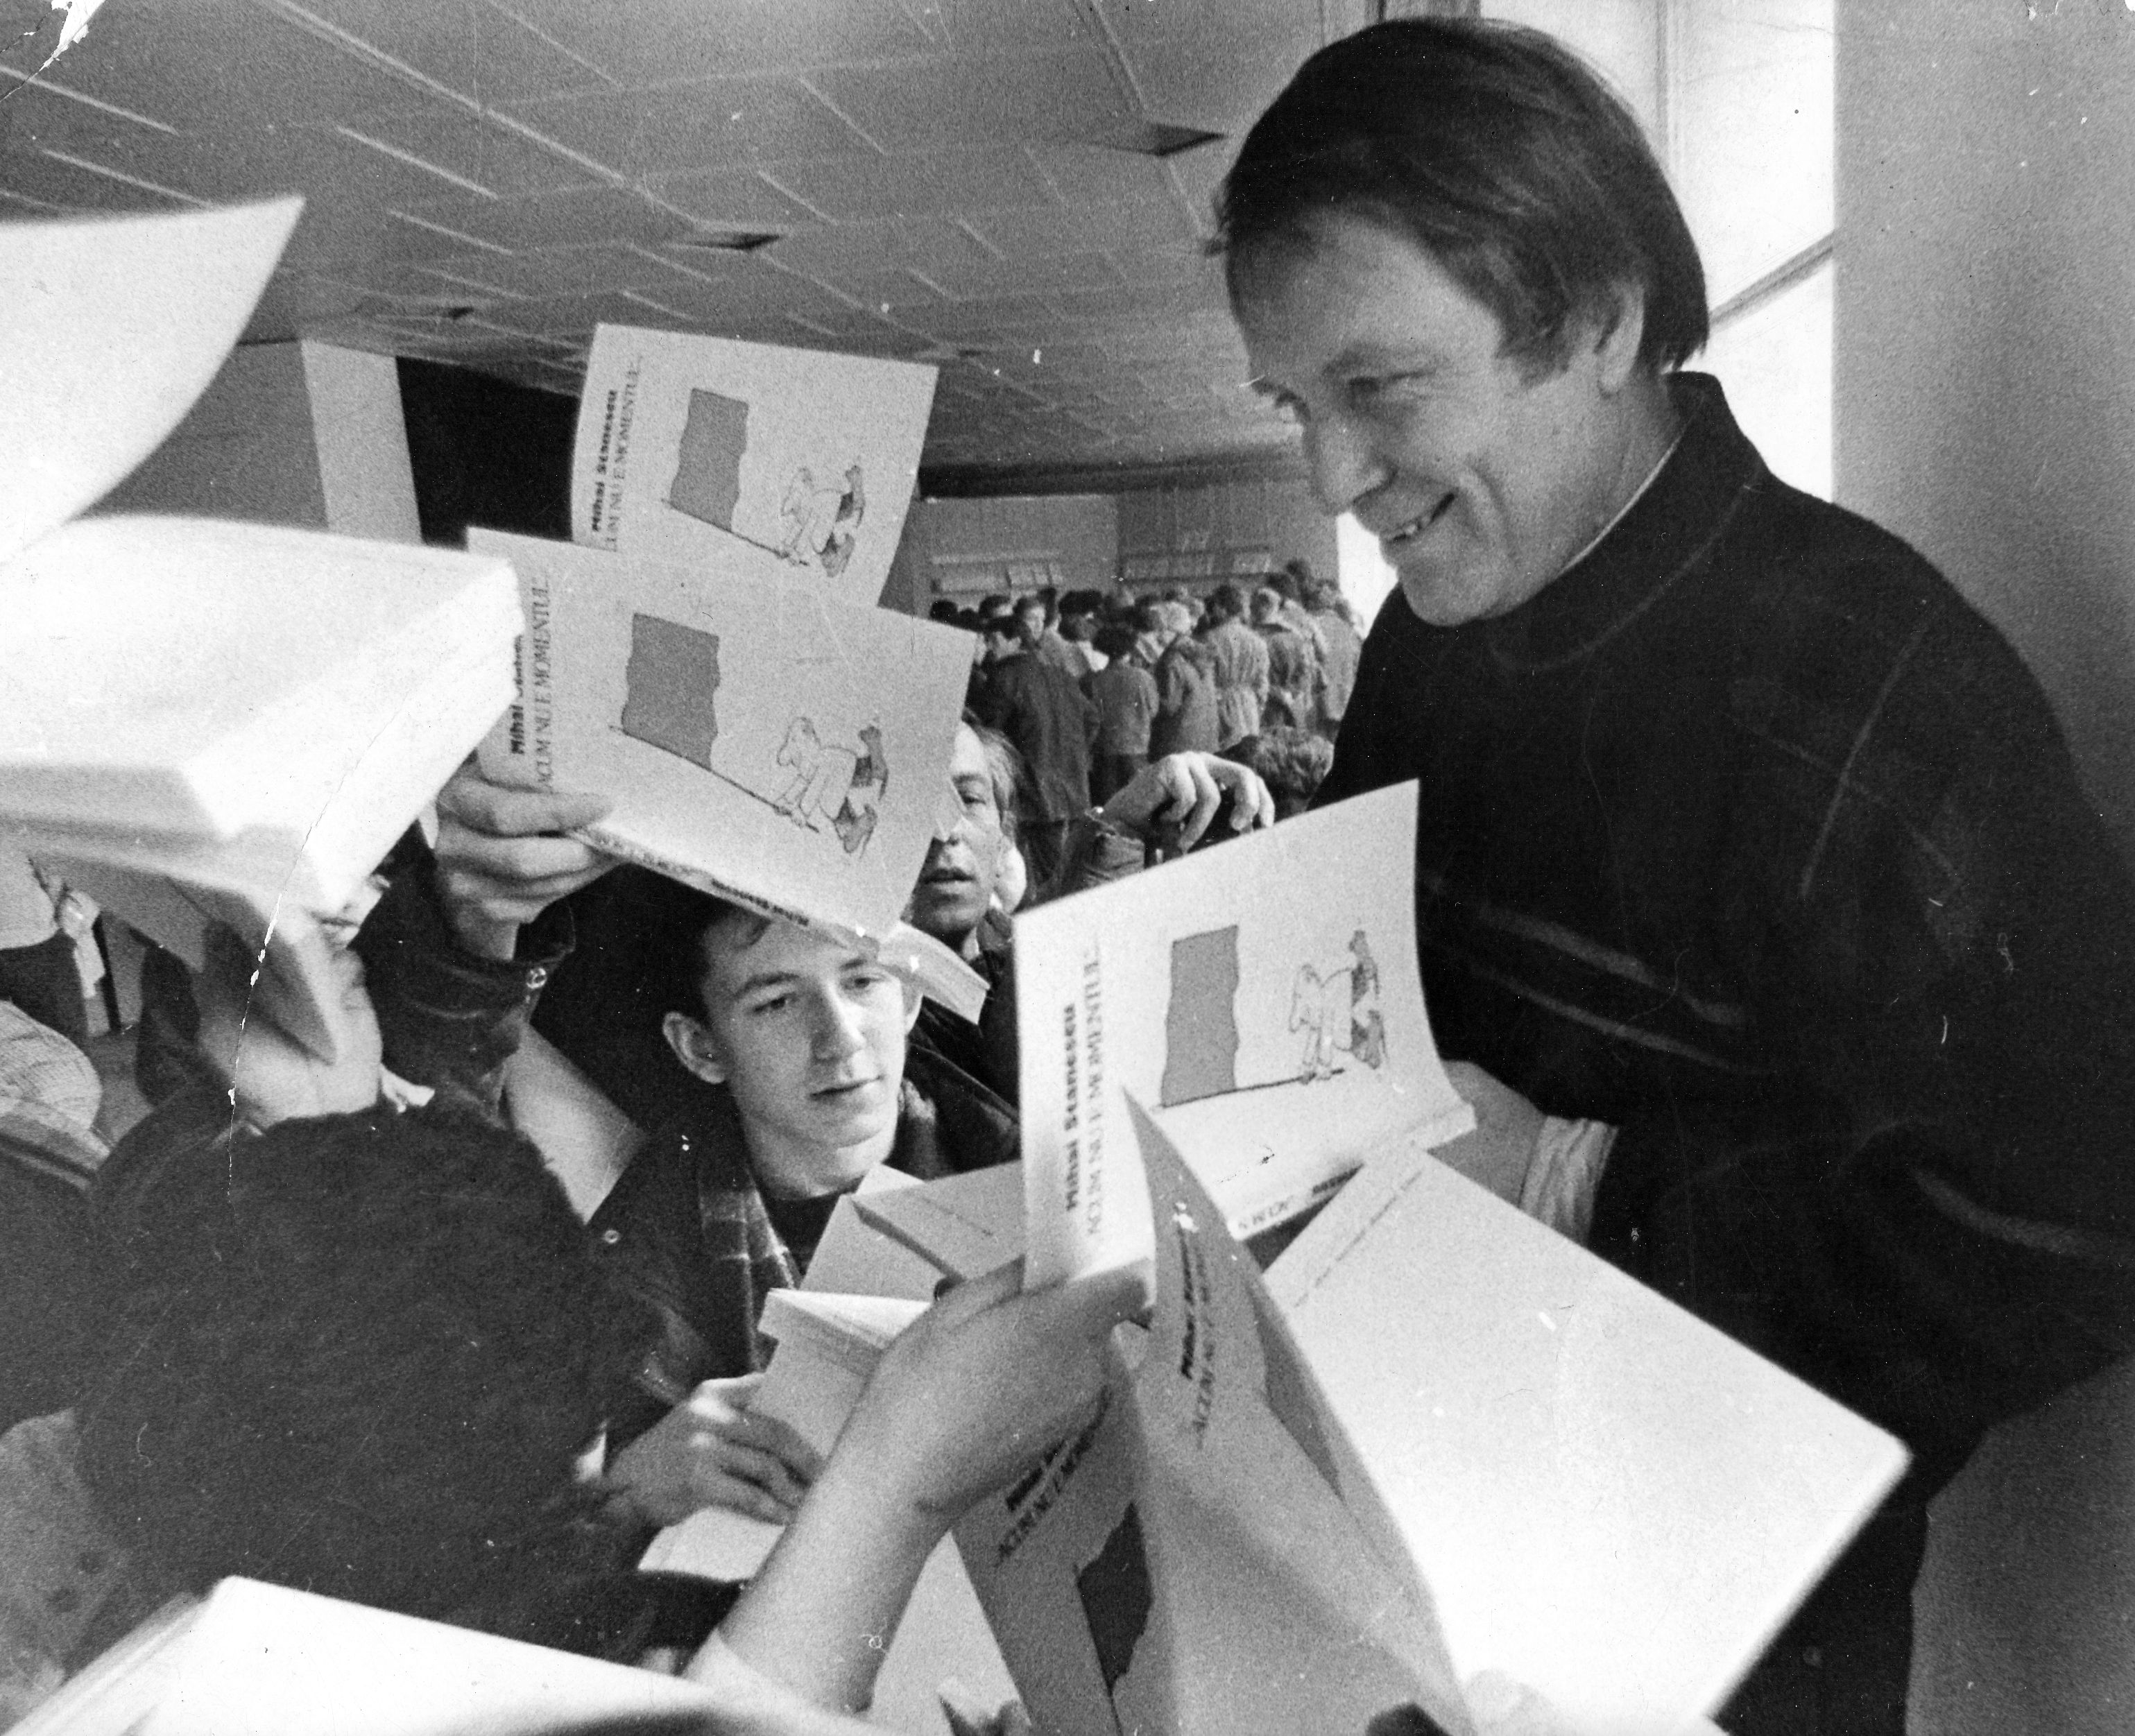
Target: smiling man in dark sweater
1755, 890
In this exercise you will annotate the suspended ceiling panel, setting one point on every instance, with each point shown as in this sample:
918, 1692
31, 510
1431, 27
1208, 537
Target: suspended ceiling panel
972, 182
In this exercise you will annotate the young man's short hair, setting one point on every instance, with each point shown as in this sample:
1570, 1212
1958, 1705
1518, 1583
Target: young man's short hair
1499, 153
360, 1355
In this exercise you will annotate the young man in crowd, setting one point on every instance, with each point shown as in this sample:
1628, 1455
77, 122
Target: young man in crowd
1786, 962
1126, 696
370, 1354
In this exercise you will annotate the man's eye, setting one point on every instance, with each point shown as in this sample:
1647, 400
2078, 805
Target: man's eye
771, 1004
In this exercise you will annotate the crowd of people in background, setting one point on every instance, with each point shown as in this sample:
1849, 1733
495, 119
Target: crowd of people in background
1092, 685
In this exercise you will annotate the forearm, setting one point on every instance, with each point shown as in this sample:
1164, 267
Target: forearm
821, 1615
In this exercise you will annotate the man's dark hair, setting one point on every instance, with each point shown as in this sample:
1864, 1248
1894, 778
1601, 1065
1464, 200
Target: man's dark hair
359, 1355
1501, 154
672, 923
1115, 639
1226, 601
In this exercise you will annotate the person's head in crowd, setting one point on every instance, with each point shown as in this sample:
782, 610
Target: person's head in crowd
1078, 616
1283, 583
1295, 580
1049, 599
970, 621
1030, 618
805, 1030
1469, 208
1178, 619
996, 604
1292, 762
1267, 604
1115, 639
942, 609
1225, 603
366, 1355
1003, 638
1153, 632
972, 841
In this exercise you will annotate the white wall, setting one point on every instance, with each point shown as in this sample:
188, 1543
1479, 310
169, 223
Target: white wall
299, 434
1984, 336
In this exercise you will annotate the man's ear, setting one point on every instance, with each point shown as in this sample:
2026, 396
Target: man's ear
1616, 329
693, 1047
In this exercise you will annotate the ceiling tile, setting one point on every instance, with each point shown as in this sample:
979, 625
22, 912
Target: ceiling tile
1027, 232
997, 278
739, 197
836, 249
479, 147
986, 26
572, 217
1073, 94
723, 123
485, 55
919, 184
1097, 174
197, 64
1221, 82
650, 41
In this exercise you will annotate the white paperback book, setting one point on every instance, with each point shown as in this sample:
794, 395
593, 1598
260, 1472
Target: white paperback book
1614, 1503
1260, 998
203, 721
759, 739
259, 1660
770, 462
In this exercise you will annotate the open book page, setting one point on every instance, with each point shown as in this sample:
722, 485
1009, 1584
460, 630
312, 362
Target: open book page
1613, 1501
169, 293
759, 740
1192, 1561
770, 462
1261, 997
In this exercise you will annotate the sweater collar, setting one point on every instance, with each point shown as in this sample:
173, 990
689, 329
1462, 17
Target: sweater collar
1661, 537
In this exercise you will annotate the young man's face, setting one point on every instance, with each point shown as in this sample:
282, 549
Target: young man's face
956, 882
1030, 625
808, 1034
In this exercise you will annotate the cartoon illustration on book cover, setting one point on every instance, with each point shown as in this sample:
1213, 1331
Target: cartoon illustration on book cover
822, 521
838, 786
670, 694
775, 463
1336, 1007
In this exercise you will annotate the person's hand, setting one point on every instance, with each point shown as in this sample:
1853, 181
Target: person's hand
981, 1384
1508, 1129
1170, 802
502, 857
710, 1450
244, 1030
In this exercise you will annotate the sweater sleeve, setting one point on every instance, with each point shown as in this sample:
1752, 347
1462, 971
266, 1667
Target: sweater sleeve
450, 1019
1930, 1212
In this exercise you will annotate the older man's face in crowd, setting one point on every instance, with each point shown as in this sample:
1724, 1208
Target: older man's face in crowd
956, 882
1480, 482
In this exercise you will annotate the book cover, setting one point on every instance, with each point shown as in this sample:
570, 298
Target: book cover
774, 463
